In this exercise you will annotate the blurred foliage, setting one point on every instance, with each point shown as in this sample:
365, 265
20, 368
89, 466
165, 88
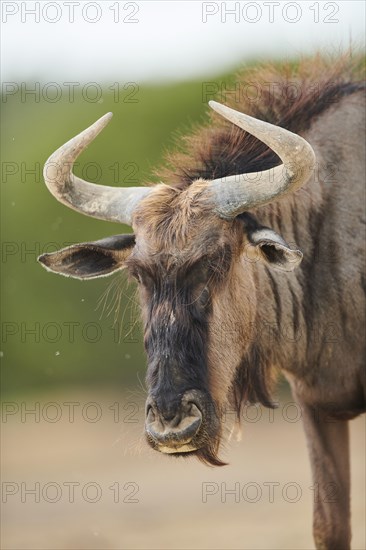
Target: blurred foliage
52, 331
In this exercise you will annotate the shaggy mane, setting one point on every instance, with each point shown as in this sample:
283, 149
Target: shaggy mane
290, 95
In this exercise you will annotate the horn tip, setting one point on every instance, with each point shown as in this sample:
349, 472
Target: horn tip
107, 117
100, 123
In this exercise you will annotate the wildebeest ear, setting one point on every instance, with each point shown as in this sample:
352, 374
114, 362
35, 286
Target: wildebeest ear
274, 250
90, 260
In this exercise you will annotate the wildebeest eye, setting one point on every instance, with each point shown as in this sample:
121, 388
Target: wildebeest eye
141, 277
135, 275
204, 297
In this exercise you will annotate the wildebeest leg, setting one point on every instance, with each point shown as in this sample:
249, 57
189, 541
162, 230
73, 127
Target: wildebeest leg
328, 444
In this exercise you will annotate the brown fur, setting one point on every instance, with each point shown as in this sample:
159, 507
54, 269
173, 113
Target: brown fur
175, 229
292, 95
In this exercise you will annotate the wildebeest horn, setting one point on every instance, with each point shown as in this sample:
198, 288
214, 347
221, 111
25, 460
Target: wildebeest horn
236, 193
114, 204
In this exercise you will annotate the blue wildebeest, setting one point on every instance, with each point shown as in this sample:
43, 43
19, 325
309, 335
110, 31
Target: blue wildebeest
294, 170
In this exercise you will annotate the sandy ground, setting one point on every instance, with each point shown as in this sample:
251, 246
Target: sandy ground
95, 485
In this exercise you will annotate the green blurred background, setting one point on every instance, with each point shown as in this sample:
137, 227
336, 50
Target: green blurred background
53, 332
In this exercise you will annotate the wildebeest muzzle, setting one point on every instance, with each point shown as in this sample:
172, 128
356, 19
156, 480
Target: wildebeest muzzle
180, 424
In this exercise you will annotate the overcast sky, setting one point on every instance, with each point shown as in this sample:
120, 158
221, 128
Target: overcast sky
164, 40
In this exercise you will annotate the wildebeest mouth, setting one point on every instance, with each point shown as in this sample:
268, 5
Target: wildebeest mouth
176, 450
190, 428
208, 454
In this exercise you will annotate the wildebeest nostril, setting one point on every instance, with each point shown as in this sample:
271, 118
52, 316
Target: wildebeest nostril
150, 414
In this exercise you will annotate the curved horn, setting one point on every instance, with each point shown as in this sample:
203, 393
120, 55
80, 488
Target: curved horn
114, 204
235, 194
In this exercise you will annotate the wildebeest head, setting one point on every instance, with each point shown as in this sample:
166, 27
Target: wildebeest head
196, 291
